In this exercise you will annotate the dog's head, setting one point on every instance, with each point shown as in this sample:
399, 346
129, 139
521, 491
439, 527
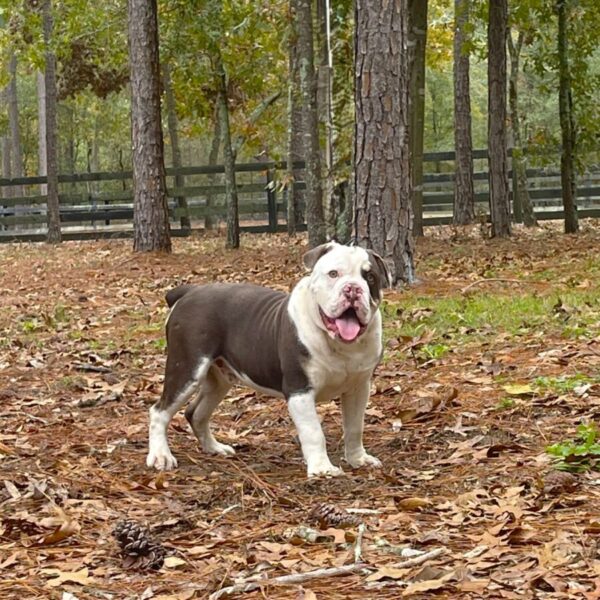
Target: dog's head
347, 283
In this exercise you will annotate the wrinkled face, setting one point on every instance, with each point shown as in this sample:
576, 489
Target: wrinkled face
347, 283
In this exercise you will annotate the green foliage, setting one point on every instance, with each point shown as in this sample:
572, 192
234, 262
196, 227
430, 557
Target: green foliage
562, 385
433, 351
506, 404
579, 454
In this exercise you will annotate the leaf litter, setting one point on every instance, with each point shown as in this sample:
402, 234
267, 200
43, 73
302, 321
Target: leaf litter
462, 435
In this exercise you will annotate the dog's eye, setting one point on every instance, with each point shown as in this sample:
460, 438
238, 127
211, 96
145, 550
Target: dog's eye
333, 274
370, 278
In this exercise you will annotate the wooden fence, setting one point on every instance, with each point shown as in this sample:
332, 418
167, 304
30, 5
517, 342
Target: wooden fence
97, 205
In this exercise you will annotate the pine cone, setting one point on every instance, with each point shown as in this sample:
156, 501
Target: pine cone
560, 482
329, 515
139, 551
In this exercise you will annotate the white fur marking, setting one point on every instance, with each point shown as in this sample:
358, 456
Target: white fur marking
354, 403
304, 414
159, 454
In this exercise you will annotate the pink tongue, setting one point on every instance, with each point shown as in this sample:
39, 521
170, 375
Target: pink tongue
348, 327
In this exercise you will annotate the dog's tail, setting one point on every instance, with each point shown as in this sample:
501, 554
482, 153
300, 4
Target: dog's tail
175, 294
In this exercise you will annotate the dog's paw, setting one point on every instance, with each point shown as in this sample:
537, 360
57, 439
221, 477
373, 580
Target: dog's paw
324, 470
218, 448
363, 460
161, 459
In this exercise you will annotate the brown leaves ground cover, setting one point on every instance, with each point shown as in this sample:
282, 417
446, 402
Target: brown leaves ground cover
461, 414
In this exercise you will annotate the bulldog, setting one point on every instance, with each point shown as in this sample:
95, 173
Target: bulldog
320, 342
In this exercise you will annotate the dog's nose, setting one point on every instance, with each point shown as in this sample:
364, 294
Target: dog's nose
352, 292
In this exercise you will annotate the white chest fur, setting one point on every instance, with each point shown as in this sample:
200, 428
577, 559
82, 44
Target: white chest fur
334, 366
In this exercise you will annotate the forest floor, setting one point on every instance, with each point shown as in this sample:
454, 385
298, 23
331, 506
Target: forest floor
478, 379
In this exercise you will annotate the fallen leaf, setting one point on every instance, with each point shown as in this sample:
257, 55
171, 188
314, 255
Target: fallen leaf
518, 389
81, 577
388, 573
172, 562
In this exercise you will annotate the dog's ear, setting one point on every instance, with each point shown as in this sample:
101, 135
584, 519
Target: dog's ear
378, 264
312, 256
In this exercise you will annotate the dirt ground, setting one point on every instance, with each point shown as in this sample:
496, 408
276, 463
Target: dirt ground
462, 410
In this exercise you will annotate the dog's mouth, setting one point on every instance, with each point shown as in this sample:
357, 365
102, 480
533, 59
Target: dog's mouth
346, 326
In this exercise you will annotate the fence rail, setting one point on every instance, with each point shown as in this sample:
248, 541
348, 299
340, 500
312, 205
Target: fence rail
100, 204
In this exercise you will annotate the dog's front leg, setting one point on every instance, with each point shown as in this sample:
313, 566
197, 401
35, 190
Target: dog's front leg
304, 414
354, 403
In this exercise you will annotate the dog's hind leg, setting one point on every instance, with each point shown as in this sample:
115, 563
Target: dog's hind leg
182, 382
198, 414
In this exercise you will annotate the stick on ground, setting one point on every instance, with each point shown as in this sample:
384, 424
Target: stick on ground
248, 586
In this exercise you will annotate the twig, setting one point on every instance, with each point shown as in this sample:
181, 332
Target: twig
491, 279
358, 544
246, 586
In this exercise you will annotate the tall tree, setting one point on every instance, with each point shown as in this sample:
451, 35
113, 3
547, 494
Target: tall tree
519, 164
172, 125
41, 98
464, 194
294, 129
497, 146
53, 214
231, 197
150, 208
417, 36
13, 118
302, 15
213, 157
565, 105
324, 109
382, 173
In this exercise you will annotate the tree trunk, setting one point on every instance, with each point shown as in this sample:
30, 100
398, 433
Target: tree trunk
42, 163
464, 195
6, 165
150, 208
181, 201
213, 157
53, 214
310, 128
382, 184
324, 107
294, 140
565, 104
231, 198
15, 133
519, 164
497, 148
417, 37
292, 198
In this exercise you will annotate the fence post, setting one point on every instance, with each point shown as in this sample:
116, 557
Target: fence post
271, 202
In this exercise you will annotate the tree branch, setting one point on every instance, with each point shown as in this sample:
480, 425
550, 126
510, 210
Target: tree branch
255, 115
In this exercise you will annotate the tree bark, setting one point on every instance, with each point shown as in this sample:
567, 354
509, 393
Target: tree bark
417, 37
324, 108
519, 164
181, 201
294, 140
6, 165
42, 164
292, 198
464, 195
53, 214
310, 128
565, 104
382, 173
213, 157
497, 147
231, 198
150, 208
15, 132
